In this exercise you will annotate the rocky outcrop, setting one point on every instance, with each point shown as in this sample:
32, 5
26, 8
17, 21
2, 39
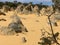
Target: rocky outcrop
14, 27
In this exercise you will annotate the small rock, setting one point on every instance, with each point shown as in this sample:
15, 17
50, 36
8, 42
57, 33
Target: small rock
55, 24
24, 40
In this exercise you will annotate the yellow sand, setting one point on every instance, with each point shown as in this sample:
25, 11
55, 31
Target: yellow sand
33, 23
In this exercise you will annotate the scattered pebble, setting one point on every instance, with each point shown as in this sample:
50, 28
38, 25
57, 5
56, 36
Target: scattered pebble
55, 24
24, 40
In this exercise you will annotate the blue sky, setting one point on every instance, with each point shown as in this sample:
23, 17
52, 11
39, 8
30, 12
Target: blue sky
47, 2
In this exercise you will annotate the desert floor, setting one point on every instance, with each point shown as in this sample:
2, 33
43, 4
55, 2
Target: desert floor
33, 23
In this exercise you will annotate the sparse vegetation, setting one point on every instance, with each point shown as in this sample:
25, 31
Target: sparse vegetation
16, 25
49, 40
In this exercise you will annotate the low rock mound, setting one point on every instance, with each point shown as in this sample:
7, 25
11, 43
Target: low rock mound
14, 27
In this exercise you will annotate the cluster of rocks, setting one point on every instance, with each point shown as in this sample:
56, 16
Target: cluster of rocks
21, 9
28, 9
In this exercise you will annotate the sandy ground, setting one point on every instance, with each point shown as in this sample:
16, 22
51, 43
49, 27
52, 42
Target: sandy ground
33, 23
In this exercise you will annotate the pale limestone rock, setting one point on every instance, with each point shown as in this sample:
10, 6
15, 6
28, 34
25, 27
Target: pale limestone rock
42, 11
